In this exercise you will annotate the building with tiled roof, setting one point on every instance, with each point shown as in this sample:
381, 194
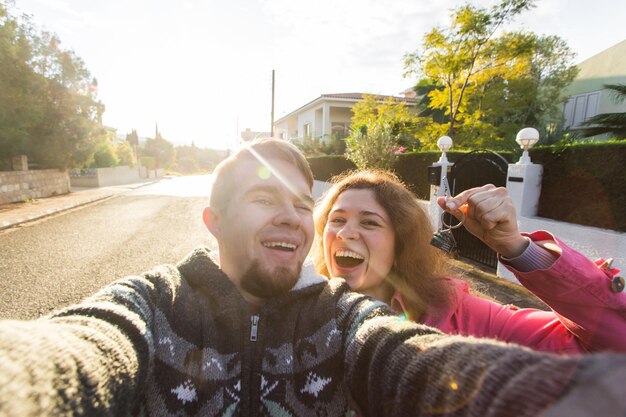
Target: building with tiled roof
326, 115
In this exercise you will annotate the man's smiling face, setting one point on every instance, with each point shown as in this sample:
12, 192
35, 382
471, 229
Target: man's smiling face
266, 231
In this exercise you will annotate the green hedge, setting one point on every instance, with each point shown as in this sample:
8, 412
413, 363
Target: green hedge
327, 166
582, 183
413, 169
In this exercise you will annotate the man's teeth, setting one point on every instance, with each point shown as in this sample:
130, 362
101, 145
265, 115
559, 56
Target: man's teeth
348, 254
280, 245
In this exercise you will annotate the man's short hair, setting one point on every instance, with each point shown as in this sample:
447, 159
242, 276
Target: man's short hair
225, 176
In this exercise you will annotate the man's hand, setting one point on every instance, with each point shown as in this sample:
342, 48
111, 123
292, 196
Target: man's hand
490, 216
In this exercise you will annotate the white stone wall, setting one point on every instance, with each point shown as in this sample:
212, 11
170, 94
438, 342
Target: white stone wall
117, 175
22, 185
104, 177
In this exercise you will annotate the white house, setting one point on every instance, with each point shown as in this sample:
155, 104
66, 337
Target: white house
586, 95
326, 115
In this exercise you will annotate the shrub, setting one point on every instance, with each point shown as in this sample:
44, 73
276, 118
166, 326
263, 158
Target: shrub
104, 155
373, 147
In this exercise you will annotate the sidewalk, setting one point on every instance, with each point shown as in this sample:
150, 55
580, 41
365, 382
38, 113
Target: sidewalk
14, 214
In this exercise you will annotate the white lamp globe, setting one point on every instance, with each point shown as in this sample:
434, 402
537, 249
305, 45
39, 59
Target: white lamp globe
444, 143
527, 138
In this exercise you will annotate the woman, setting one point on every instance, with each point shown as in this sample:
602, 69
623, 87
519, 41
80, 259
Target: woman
373, 233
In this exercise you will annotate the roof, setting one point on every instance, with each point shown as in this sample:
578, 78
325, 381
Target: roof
359, 96
347, 97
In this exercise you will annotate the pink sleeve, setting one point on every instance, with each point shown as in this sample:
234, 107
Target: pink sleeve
580, 294
479, 317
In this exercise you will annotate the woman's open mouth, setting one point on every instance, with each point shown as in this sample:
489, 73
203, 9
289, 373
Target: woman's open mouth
348, 259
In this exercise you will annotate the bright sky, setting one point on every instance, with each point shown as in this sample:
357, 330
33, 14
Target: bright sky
201, 69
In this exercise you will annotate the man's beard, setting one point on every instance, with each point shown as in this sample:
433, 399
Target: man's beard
266, 284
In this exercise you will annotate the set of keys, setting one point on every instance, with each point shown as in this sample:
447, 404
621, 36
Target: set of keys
443, 238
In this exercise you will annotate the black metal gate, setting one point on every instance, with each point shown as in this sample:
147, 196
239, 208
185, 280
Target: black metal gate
474, 170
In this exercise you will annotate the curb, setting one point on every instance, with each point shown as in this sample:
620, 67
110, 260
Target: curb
50, 212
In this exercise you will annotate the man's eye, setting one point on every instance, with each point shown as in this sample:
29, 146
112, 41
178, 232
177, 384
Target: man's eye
304, 207
263, 201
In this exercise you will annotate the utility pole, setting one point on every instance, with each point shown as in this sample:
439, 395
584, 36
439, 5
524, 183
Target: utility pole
272, 129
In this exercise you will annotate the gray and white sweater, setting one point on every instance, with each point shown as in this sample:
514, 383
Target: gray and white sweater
180, 341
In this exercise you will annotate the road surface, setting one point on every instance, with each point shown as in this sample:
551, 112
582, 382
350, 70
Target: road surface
60, 260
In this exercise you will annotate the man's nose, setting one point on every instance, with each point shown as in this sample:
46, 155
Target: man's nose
288, 216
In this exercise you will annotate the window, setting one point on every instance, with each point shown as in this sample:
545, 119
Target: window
580, 108
307, 130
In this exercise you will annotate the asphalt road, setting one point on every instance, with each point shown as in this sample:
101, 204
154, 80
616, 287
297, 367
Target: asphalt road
60, 260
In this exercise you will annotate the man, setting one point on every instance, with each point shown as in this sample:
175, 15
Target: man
260, 335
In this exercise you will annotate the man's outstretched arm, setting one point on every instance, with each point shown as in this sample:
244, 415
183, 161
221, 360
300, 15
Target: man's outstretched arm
88, 359
398, 368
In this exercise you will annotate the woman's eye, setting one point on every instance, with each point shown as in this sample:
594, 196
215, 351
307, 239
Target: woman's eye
370, 223
337, 220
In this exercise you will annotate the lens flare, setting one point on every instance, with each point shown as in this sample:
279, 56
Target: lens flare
264, 172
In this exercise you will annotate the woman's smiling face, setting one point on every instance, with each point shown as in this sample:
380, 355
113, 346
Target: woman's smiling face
359, 242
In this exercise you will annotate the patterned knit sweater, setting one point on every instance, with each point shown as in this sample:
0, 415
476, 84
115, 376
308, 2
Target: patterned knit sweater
180, 341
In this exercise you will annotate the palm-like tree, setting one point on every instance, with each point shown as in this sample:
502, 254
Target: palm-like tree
614, 123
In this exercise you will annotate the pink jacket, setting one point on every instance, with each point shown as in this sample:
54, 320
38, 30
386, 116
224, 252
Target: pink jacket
587, 316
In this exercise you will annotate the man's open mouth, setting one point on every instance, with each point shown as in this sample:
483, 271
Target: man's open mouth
282, 246
348, 259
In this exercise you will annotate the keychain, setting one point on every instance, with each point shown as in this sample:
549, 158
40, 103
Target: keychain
443, 238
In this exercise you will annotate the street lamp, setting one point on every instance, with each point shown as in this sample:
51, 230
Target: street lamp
444, 144
526, 138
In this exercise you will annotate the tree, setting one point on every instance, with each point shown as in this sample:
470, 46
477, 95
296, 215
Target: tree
456, 57
192, 159
125, 154
19, 86
374, 147
133, 139
370, 112
49, 110
614, 123
161, 150
104, 155
530, 96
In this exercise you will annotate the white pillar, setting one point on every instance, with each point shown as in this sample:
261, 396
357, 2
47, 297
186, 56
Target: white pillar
523, 182
444, 144
326, 127
434, 211
524, 185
